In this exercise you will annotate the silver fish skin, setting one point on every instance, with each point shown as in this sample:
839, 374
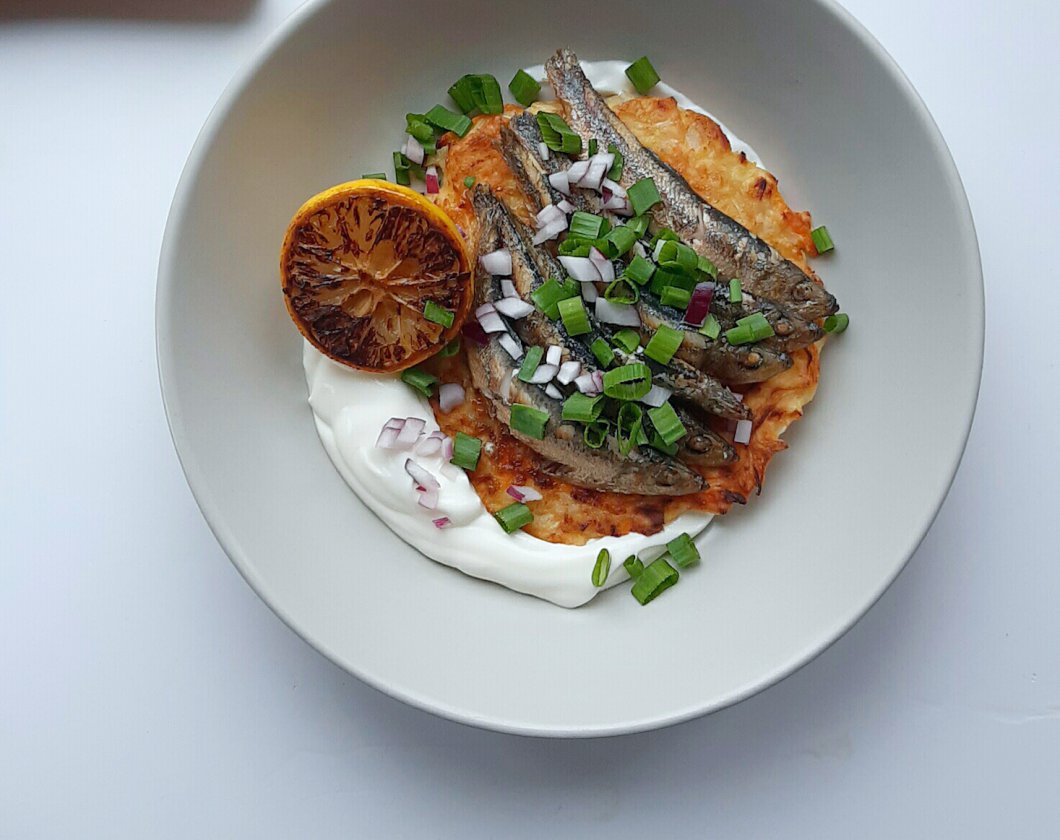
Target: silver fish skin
729, 245
494, 373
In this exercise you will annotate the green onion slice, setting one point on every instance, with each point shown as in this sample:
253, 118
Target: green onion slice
466, 451
514, 517
667, 423
628, 382
594, 144
596, 433
603, 352
639, 270
666, 276
618, 241
557, 135
530, 363
639, 225
575, 319
379, 176
707, 267
822, 240
643, 75
548, 295
759, 326
615, 172
441, 117
836, 323
740, 334
675, 296
711, 328
524, 88
657, 577
633, 566
643, 195
586, 225
438, 314
628, 426
627, 339
469, 181
419, 379
735, 290
663, 344
573, 247
583, 409
683, 550
621, 290
602, 568
451, 349
529, 421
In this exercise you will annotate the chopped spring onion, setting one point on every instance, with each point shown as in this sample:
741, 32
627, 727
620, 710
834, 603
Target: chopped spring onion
419, 379
401, 169
451, 349
586, 225
417, 126
711, 328
628, 382
572, 247
595, 434
582, 409
657, 577
643, 195
664, 277
622, 291
594, 144
530, 421
639, 270
628, 426
524, 88
548, 295
836, 323
615, 172
663, 344
735, 291
643, 75
515, 516
378, 176
618, 241
758, 325
557, 135
469, 181
604, 354
707, 267
438, 314
660, 235
441, 117
460, 91
675, 296
575, 319
740, 334
633, 566
683, 550
530, 363
628, 340
676, 255
477, 90
822, 240
639, 225
602, 568
466, 451
667, 423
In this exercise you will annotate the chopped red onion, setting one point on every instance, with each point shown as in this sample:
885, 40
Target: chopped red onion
442, 522
522, 493
489, 320
609, 188
388, 436
511, 345
568, 372
450, 396
581, 269
413, 150
497, 263
472, 329
542, 149
743, 431
656, 396
423, 478
589, 292
554, 355
514, 307
554, 392
622, 314
566, 206
543, 374
598, 166
447, 447
560, 181
550, 231
550, 213
699, 304
616, 204
598, 378
432, 180
508, 289
410, 433
604, 267
428, 498
577, 171
586, 383
430, 445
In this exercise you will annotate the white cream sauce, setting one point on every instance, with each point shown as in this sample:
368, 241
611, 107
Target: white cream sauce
350, 409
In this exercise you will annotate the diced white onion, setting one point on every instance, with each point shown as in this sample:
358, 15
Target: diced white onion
640, 250
582, 269
656, 396
410, 433
594, 175
566, 206
497, 263
577, 171
413, 150
622, 314
511, 346
568, 372
542, 149
508, 289
743, 431
514, 307
553, 391
450, 396
543, 374
554, 355
560, 181
589, 292
489, 320
506, 387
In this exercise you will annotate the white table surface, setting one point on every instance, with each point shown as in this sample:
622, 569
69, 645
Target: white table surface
146, 692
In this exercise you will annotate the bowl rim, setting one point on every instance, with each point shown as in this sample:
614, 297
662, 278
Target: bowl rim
198, 483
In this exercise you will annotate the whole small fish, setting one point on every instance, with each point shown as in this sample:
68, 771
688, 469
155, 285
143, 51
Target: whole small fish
494, 373
729, 245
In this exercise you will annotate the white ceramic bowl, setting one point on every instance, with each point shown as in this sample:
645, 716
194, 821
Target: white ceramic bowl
842, 511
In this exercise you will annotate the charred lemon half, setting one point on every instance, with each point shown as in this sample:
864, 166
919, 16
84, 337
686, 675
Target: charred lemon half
375, 275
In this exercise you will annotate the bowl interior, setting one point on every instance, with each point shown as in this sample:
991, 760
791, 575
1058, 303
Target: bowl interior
842, 511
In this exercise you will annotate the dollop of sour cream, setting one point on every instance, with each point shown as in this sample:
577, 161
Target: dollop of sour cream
350, 408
